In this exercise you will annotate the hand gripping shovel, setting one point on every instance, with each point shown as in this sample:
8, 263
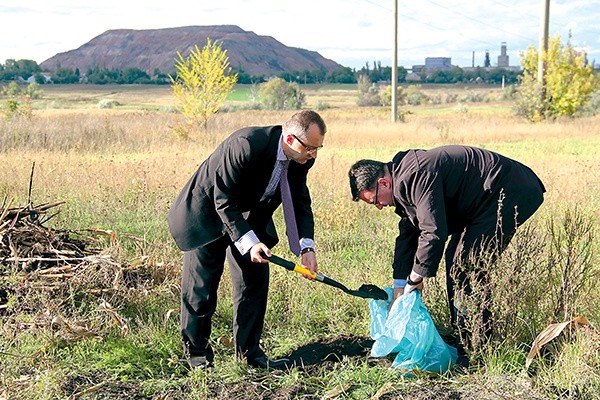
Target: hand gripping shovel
365, 291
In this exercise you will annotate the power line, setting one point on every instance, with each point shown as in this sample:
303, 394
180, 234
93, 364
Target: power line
376, 4
533, 15
405, 15
487, 44
408, 16
478, 21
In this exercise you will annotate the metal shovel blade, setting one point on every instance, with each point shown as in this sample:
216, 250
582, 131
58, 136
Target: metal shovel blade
371, 292
365, 291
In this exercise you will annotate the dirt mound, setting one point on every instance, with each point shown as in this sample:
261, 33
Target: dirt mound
331, 350
149, 49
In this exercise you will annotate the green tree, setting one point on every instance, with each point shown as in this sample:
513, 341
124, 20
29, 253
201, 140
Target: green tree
65, 75
342, 75
27, 68
18, 68
135, 75
39, 78
160, 78
277, 94
203, 82
570, 82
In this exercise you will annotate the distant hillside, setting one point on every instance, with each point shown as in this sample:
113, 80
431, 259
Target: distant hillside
157, 48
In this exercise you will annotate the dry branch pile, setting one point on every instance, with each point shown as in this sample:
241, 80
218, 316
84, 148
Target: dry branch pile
51, 274
24, 241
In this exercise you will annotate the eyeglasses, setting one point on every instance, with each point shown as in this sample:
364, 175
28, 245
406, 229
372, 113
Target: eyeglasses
310, 149
375, 200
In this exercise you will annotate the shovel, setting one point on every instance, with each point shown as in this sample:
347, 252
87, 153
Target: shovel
365, 291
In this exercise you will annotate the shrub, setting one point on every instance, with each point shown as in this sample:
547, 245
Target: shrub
277, 94
368, 93
529, 100
473, 97
436, 99
386, 95
322, 105
509, 92
592, 107
451, 98
461, 109
11, 90
19, 99
415, 97
108, 103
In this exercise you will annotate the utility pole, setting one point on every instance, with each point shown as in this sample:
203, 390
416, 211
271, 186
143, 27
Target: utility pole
395, 66
543, 49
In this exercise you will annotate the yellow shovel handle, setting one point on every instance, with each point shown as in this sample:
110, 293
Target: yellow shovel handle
304, 271
290, 266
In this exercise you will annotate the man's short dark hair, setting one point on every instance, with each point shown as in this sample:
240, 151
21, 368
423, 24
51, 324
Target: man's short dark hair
363, 176
299, 123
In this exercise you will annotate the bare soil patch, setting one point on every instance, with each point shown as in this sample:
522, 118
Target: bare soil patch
331, 350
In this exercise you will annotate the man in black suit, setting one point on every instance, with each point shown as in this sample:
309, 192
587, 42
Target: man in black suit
225, 211
476, 197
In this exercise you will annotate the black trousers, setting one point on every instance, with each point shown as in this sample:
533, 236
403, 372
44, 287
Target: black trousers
202, 271
480, 242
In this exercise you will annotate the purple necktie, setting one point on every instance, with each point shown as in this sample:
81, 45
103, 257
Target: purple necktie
291, 229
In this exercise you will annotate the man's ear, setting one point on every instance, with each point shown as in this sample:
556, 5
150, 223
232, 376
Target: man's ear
383, 182
289, 139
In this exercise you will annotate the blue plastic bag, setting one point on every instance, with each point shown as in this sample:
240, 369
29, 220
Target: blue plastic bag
409, 331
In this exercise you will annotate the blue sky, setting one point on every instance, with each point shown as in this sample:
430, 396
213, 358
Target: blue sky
350, 32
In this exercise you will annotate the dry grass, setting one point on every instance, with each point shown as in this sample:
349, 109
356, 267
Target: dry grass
88, 96
121, 168
75, 150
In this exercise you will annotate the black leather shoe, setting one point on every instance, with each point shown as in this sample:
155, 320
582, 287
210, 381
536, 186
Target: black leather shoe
264, 362
199, 362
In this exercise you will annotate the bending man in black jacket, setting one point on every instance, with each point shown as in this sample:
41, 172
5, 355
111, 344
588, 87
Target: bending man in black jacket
474, 196
225, 210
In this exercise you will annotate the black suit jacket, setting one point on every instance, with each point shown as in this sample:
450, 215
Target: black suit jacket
223, 196
441, 191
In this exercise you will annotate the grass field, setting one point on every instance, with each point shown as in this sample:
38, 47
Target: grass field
119, 169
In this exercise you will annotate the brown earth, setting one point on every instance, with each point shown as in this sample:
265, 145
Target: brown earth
150, 49
315, 355
316, 360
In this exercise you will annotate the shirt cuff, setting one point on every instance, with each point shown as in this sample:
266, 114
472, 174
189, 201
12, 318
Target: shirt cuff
246, 242
399, 283
306, 242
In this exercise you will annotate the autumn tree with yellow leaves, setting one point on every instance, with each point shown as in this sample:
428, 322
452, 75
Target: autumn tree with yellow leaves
203, 82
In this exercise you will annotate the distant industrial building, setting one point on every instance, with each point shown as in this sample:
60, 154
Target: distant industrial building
438, 63
445, 64
503, 57
433, 64
503, 61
